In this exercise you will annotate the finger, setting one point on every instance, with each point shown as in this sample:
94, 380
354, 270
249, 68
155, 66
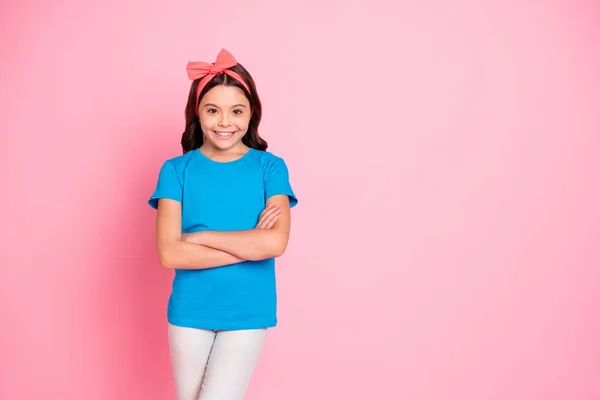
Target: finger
266, 210
268, 224
271, 220
263, 223
261, 217
268, 213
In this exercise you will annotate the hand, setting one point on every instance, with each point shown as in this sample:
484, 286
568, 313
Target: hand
268, 217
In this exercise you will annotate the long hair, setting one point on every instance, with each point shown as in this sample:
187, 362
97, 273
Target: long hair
192, 138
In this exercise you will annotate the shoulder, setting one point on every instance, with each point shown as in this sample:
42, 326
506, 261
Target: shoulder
180, 160
178, 163
268, 159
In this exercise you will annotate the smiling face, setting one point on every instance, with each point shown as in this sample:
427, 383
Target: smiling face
224, 114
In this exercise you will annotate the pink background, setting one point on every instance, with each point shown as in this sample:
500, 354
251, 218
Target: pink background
446, 157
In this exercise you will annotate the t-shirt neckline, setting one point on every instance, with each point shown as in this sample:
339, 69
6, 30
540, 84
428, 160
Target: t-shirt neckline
250, 149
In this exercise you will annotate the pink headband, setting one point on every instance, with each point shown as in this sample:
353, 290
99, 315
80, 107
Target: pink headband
207, 71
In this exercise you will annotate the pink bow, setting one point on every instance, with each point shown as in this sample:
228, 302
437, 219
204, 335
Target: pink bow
207, 71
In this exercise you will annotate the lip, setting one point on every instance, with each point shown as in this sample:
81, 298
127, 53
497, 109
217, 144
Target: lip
228, 137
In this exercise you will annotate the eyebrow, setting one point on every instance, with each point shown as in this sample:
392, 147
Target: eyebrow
216, 106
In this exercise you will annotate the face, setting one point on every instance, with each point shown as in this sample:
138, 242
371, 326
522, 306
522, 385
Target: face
224, 113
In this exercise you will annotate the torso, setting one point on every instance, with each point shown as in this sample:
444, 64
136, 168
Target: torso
223, 196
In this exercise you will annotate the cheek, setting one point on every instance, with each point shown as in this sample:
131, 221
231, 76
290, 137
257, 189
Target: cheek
244, 121
205, 121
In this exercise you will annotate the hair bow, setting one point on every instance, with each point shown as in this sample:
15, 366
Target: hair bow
206, 71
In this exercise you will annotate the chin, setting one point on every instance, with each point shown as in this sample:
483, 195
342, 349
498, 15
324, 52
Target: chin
224, 145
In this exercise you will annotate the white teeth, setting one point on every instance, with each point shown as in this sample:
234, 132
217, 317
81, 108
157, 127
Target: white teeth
224, 134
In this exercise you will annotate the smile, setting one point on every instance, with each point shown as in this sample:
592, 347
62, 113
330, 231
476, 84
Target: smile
224, 135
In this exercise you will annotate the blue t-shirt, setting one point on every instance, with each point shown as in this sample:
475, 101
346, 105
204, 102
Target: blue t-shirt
223, 196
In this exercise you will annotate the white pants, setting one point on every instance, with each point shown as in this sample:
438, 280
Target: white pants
213, 365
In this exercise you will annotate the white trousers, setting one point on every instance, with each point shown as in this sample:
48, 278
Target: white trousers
213, 365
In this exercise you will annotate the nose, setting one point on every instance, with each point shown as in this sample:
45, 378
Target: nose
224, 120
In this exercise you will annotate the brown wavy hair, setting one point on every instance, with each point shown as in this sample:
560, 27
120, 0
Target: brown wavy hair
192, 138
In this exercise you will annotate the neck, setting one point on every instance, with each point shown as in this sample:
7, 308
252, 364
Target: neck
218, 154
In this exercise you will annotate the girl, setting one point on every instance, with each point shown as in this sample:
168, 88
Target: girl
223, 216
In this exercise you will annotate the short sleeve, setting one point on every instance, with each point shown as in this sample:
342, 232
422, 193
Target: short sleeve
277, 180
168, 185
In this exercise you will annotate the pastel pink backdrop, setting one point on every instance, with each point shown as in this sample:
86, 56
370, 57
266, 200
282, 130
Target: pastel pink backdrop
446, 157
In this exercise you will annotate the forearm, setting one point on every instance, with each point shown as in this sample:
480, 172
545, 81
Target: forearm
184, 255
254, 244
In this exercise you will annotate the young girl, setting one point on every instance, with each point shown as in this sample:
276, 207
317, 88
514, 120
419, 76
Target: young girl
223, 216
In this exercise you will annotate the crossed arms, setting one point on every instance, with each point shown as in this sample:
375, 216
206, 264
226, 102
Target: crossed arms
210, 249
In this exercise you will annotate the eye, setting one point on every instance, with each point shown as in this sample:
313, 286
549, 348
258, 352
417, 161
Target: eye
237, 112
211, 111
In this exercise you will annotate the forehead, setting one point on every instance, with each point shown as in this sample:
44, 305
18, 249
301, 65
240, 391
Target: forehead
223, 95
